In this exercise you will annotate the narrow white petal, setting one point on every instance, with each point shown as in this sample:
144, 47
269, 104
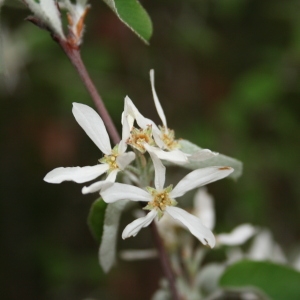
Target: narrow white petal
111, 177
194, 224
120, 191
77, 174
132, 113
204, 208
156, 101
202, 155
125, 159
93, 125
127, 123
156, 135
160, 172
238, 236
96, 187
175, 156
199, 178
133, 228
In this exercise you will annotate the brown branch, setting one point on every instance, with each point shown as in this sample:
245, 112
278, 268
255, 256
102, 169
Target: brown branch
73, 54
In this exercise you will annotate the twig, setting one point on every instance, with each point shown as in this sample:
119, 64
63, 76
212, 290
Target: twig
75, 57
165, 262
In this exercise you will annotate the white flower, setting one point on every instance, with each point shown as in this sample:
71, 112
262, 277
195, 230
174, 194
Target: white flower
159, 140
162, 200
48, 13
204, 209
114, 160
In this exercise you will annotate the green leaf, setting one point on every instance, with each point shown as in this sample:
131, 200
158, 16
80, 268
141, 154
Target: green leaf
107, 251
132, 14
279, 282
96, 218
220, 160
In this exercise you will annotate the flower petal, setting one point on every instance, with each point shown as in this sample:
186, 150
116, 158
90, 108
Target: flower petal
160, 172
156, 101
123, 160
77, 174
132, 113
238, 236
204, 208
133, 228
112, 175
96, 187
121, 191
175, 156
194, 224
198, 178
93, 126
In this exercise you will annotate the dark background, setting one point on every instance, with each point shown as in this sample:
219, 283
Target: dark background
227, 75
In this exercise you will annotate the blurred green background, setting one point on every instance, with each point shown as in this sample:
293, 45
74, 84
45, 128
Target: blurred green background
228, 77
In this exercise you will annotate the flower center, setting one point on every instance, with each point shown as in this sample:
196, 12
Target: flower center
168, 137
111, 159
160, 200
138, 137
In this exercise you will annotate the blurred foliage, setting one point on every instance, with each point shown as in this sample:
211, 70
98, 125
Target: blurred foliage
227, 74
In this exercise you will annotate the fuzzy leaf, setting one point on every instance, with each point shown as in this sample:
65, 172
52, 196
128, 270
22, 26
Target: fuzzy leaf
133, 15
279, 282
219, 160
96, 218
107, 250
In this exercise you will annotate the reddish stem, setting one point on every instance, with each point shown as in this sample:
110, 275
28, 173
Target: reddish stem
164, 259
75, 57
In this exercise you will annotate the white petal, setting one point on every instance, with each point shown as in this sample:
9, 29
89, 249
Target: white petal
77, 174
127, 123
204, 208
125, 159
199, 178
175, 156
160, 172
120, 191
112, 175
133, 228
96, 187
202, 155
132, 113
156, 101
194, 224
93, 125
238, 236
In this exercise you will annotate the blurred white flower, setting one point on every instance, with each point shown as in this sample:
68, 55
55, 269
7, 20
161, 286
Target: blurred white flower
162, 200
114, 160
204, 209
14, 55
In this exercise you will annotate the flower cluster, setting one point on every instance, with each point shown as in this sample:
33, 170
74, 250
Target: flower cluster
160, 144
